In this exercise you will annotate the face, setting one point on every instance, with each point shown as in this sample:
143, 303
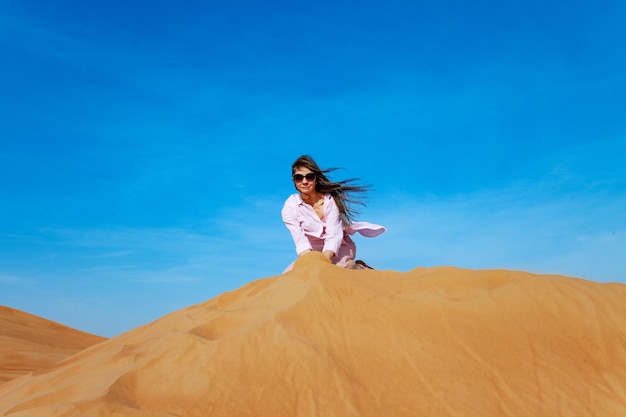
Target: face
303, 184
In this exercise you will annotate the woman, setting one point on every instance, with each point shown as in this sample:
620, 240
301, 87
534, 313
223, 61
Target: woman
319, 216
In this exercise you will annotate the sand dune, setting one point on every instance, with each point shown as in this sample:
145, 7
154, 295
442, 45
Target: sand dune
324, 341
29, 342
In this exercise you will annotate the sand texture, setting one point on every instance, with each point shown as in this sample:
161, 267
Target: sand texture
325, 341
29, 342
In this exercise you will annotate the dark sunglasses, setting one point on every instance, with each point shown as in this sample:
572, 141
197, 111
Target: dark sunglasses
299, 177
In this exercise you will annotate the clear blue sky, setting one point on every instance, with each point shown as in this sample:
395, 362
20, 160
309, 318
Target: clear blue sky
146, 145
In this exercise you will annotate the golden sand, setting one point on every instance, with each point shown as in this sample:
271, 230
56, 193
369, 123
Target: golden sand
29, 342
326, 341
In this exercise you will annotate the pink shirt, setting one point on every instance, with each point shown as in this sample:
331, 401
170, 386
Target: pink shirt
311, 233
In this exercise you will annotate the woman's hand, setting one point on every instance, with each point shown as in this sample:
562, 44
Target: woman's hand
329, 254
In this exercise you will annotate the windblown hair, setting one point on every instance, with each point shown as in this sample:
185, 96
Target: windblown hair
342, 191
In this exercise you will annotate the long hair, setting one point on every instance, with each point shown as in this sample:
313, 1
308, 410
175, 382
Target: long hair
343, 192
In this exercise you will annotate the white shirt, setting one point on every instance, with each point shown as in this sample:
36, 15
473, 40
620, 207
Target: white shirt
311, 233
306, 228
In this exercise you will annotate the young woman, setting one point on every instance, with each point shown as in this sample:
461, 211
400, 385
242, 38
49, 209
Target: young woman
320, 218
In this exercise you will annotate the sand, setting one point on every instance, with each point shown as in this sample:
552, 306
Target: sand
325, 341
28, 342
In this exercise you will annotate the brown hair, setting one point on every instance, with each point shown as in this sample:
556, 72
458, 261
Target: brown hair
342, 191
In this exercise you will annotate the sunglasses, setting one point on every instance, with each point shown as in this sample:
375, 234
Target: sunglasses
299, 177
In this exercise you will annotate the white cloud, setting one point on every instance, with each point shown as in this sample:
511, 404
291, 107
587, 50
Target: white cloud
11, 279
578, 234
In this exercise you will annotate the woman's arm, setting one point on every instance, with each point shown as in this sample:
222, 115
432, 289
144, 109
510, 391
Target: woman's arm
289, 214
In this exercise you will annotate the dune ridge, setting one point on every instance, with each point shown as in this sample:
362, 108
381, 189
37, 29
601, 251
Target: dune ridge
325, 341
29, 342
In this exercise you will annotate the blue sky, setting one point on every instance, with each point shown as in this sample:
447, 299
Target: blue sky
145, 147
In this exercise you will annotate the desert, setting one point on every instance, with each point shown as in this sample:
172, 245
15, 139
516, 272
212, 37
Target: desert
28, 342
326, 341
